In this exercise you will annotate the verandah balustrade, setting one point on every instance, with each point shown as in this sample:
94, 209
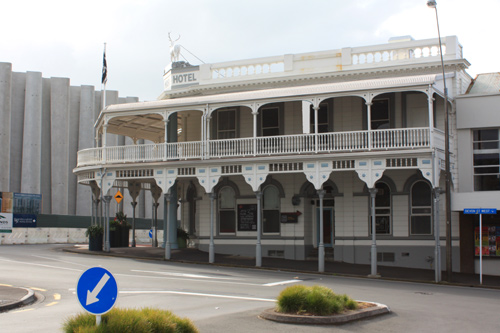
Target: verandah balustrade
354, 141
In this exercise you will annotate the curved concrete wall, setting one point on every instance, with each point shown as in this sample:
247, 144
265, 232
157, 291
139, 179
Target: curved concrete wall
43, 124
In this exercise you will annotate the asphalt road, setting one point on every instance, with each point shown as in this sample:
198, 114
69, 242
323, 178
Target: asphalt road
222, 299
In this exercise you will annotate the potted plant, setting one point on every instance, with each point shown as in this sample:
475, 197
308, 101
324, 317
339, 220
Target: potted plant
121, 227
114, 233
95, 233
182, 238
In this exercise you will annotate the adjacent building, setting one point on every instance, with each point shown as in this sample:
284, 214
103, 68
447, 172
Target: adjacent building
43, 123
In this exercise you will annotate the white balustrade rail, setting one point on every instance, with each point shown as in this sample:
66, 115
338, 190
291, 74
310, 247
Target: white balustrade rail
387, 139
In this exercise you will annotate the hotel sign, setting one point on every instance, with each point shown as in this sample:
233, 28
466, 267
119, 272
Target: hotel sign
181, 77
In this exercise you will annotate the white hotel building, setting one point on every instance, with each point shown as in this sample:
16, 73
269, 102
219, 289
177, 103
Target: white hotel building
258, 154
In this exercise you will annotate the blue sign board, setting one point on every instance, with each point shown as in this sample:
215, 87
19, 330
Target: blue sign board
97, 290
24, 221
151, 233
480, 211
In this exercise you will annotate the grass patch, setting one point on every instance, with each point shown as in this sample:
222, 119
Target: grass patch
315, 300
130, 320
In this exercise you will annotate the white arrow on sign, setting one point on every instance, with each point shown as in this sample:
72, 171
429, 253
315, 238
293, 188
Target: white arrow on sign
92, 295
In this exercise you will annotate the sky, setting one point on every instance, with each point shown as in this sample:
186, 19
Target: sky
65, 38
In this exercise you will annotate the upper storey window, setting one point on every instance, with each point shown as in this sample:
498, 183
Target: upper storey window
380, 114
226, 124
270, 121
486, 160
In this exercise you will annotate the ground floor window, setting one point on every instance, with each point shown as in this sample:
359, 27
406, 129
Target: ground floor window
271, 210
382, 209
421, 209
227, 210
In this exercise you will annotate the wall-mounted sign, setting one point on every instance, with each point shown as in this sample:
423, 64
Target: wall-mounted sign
5, 223
247, 217
290, 217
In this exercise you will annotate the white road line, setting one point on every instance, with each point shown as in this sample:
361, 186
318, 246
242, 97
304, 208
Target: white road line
188, 279
198, 294
280, 283
196, 276
64, 261
41, 265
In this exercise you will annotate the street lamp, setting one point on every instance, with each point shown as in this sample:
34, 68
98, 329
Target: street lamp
433, 4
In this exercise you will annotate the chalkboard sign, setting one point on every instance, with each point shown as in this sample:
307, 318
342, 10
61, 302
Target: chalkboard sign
289, 218
247, 217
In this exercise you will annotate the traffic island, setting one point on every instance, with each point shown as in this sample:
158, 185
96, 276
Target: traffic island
364, 311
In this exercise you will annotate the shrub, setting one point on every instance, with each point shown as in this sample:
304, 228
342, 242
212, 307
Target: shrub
130, 320
94, 231
316, 300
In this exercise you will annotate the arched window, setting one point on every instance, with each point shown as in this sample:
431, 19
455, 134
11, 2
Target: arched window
227, 210
421, 209
382, 209
271, 210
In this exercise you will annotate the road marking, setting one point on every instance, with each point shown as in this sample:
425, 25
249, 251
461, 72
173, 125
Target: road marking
23, 310
189, 279
52, 303
280, 283
196, 276
41, 265
39, 289
63, 261
5, 285
198, 294
57, 297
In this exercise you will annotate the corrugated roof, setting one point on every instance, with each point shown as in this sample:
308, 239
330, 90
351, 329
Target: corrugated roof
488, 83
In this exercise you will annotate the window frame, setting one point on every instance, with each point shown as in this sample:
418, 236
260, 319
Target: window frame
276, 223
480, 147
414, 213
221, 210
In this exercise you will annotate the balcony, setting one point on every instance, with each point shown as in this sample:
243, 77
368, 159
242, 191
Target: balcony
324, 143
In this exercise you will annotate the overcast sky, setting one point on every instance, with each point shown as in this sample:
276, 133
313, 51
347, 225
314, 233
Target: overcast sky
65, 38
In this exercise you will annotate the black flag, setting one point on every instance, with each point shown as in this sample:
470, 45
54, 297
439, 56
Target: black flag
104, 68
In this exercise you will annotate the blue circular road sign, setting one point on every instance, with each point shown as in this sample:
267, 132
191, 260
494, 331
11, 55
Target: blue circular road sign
97, 290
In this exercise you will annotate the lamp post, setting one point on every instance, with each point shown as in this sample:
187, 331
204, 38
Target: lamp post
433, 4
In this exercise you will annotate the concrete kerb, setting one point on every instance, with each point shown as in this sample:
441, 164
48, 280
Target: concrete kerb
25, 300
354, 315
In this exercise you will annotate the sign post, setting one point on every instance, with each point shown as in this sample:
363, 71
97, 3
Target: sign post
97, 291
480, 211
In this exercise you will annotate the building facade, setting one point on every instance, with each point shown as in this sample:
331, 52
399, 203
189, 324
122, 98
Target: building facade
43, 123
478, 161
335, 154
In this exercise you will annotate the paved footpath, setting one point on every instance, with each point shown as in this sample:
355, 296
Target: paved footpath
11, 297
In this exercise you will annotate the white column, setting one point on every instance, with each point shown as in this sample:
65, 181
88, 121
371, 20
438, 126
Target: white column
321, 246
207, 132
167, 228
369, 124
373, 193
255, 113
430, 102
211, 247
165, 141
258, 248
316, 108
